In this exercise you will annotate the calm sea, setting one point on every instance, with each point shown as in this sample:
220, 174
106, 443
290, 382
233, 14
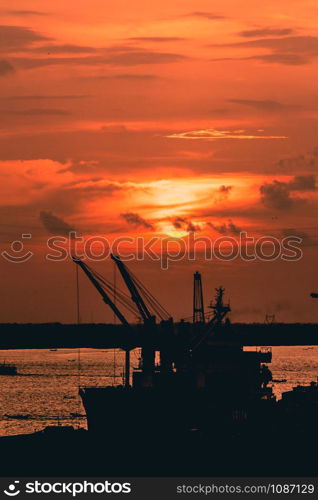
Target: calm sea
46, 390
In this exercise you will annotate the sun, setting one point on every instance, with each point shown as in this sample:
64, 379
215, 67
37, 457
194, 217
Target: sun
170, 230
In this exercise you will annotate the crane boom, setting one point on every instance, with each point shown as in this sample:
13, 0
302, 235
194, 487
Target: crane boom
102, 292
114, 308
135, 295
147, 351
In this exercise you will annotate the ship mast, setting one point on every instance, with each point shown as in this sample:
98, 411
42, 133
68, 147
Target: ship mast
198, 305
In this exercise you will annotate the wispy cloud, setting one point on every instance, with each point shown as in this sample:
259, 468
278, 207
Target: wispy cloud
266, 105
226, 228
289, 50
136, 220
6, 68
213, 134
55, 225
25, 13
266, 32
155, 39
213, 16
125, 57
15, 38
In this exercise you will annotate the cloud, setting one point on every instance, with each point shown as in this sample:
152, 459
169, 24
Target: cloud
55, 225
5, 68
265, 105
228, 228
192, 228
126, 76
206, 15
292, 50
185, 224
46, 97
277, 194
307, 161
63, 49
15, 38
113, 57
303, 183
287, 59
307, 240
213, 134
37, 112
225, 190
223, 193
26, 13
156, 39
136, 220
266, 32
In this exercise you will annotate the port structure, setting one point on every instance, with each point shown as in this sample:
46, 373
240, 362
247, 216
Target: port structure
198, 304
145, 307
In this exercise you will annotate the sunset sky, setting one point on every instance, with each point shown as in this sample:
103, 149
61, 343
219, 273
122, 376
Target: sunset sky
159, 118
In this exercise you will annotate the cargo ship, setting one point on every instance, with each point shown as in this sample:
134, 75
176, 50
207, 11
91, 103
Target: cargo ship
8, 369
204, 378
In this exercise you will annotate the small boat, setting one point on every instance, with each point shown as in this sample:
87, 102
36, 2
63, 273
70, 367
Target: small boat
18, 417
8, 369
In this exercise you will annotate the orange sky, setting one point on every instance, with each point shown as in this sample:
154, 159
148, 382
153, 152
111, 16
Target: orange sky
194, 110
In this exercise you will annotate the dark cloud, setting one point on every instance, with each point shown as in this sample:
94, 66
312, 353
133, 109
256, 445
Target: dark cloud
136, 220
193, 228
37, 112
97, 188
63, 49
280, 58
206, 15
307, 161
156, 39
225, 190
178, 222
276, 58
26, 12
112, 58
5, 68
185, 224
292, 44
126, 76
277, 194
266, 32
303, 183
69, 199
46, 97
291, 50
307, 240
228, 228
15, 38
55, 225
265, 105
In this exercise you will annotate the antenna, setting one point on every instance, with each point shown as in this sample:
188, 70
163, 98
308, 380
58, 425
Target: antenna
198, 305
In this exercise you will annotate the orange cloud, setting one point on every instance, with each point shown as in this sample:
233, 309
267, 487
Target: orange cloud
213, 134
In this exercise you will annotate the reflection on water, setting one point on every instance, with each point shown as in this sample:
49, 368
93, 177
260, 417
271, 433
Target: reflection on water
46, 390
